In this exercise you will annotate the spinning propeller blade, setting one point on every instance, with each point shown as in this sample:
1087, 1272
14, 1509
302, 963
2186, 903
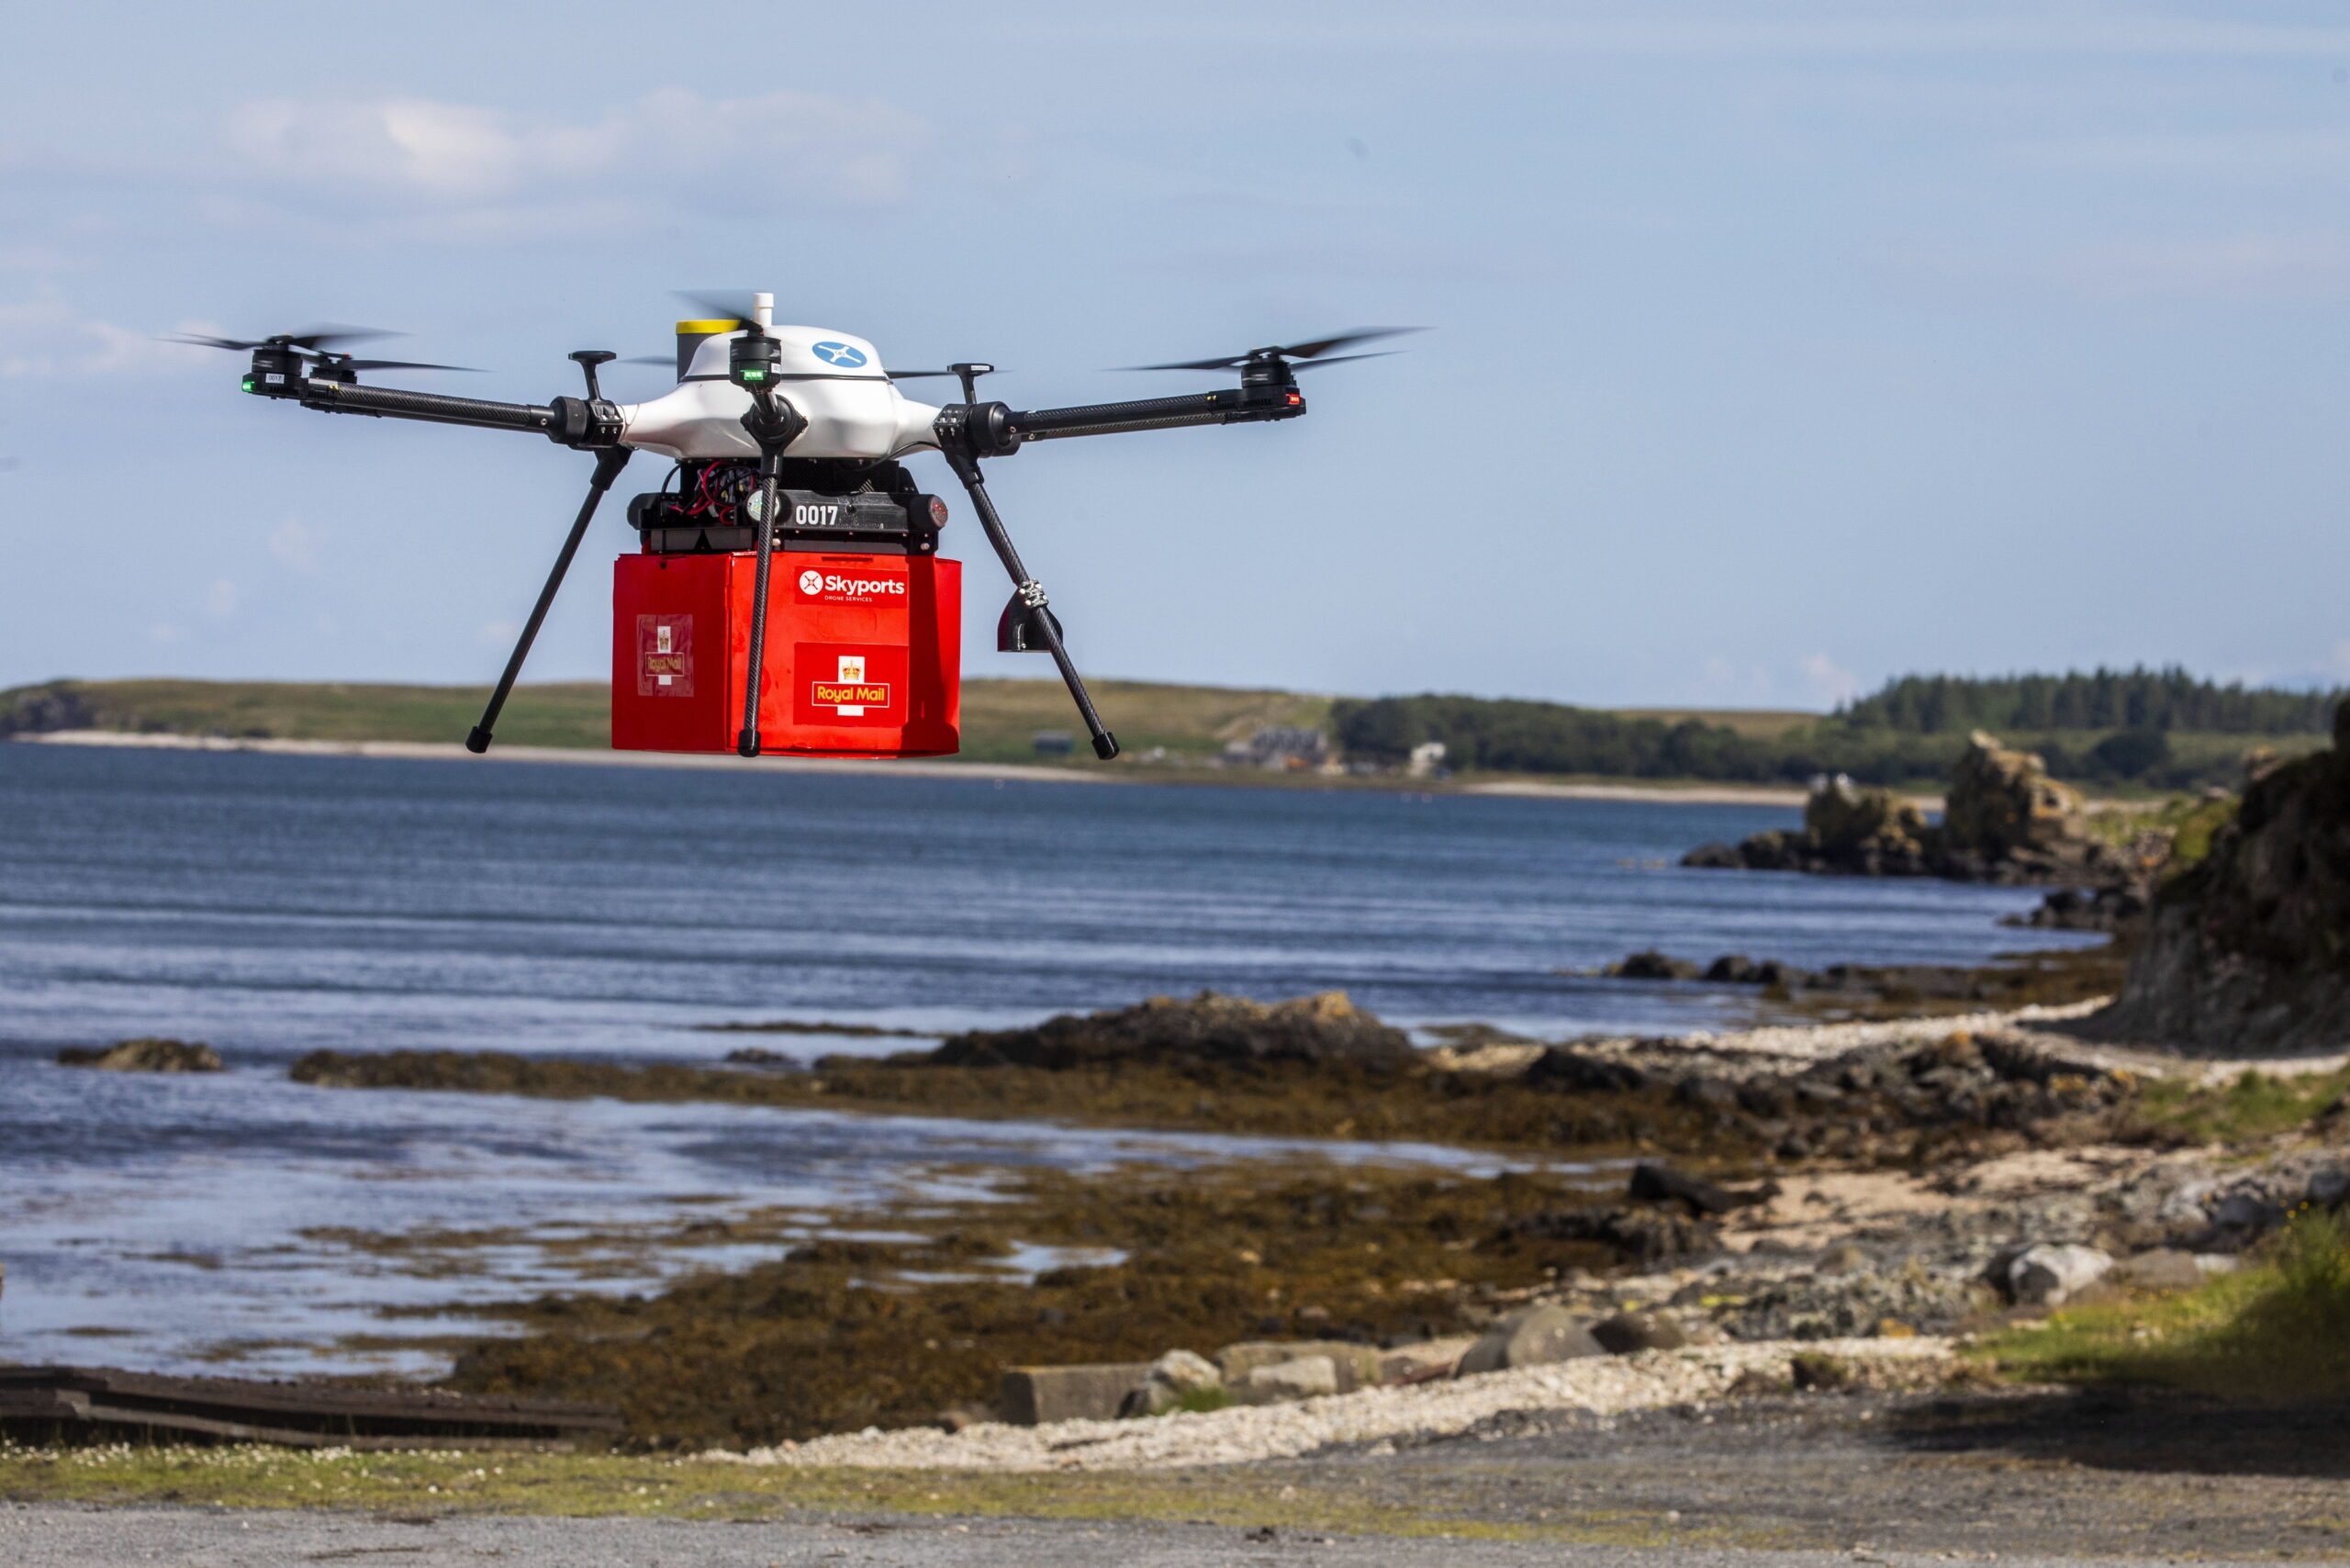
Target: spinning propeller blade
721, 304
404, 364
1311, 350
1341, 359
314, 340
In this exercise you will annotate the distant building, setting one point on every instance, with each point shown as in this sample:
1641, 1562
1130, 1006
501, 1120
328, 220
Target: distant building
1428, 758
1279, 746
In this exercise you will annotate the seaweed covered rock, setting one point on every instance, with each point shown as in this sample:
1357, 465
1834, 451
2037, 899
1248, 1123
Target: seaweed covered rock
146, 1055
1208, 1027
1846, 828
2249, 949
1651, 964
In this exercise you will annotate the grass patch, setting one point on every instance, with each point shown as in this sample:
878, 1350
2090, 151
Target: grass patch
2276, 1331
2250, 1106
412, 1485
1200, 1401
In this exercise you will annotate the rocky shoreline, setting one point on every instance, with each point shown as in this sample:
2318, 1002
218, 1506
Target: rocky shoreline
1901, 1181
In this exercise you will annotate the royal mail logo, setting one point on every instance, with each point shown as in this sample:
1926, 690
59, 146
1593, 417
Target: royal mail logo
851, 698
664, 656
849, 693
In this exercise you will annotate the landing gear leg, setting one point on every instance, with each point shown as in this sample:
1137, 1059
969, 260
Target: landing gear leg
1040, 623
608, 464
774, 426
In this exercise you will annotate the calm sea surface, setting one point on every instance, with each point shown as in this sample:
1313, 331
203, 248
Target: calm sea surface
272, 905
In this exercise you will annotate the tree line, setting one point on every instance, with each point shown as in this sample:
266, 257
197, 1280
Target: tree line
1919, 742
1514, 737
2139, 698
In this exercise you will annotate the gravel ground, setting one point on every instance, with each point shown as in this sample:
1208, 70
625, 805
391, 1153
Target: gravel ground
2011, 1474
1800, 1044
59, 1537
1599, 1386
1790, 1047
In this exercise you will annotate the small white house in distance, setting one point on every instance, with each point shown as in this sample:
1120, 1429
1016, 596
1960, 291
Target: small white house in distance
1427, 758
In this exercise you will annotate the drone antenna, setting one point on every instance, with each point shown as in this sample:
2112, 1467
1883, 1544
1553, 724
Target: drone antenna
587, 360
763, 312
969, 375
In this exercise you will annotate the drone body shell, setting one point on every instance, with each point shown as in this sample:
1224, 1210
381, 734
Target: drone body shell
835, 379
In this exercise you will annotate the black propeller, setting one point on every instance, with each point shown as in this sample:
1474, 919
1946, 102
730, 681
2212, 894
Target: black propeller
1311, 350
968, 372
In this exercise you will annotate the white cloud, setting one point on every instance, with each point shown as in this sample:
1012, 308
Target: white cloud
1829, 681
1729, 682
2239, 265
295, 544
2247, 266
220, 599
2295, 153
488, 172
34, 258
1742, 32
48, 337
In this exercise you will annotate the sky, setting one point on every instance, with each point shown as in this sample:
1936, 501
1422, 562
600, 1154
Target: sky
1774, 350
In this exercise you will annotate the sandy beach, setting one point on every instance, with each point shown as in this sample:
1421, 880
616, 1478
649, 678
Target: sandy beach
952, 768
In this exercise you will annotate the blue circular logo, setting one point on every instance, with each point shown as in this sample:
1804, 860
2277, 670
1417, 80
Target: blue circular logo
839, 355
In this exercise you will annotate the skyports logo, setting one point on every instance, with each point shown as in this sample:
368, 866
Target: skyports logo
835, 588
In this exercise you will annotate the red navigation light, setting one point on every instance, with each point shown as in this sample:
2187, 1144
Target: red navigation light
937, 512
1294, 398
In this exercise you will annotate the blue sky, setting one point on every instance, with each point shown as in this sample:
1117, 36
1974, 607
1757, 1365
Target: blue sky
1776, 349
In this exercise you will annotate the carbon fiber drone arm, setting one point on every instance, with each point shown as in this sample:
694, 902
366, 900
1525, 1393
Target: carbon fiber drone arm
579, 423
995, 430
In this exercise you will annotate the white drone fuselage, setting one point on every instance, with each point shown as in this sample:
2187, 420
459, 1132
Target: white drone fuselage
834, 379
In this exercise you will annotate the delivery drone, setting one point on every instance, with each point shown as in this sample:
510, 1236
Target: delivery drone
787, 439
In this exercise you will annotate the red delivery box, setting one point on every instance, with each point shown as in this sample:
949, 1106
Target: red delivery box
864, 652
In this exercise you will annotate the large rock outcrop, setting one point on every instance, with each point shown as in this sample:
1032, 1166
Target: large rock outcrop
2249, 949
2004, 819
2004, 813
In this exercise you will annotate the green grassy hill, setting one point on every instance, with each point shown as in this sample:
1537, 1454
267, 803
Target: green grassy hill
1001, 718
